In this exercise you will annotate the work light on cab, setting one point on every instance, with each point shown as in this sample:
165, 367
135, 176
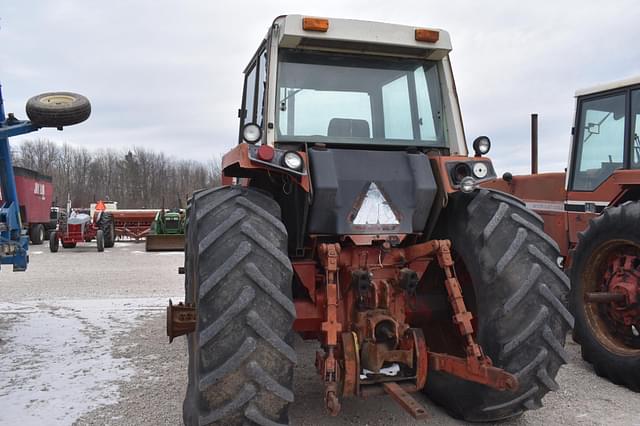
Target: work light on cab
251, 133
481, 145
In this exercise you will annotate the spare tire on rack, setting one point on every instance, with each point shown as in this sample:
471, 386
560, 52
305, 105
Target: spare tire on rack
58, 109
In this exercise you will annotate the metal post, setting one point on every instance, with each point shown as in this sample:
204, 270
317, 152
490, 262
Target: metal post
534, 144
9, 193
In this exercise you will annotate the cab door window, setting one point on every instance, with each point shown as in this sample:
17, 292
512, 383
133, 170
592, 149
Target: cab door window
252, 110
600, 147
635, 129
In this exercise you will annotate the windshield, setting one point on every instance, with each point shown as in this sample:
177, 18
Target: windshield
348, 99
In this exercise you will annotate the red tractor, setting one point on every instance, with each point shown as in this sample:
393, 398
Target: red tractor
78, 226
349, 214
593, 212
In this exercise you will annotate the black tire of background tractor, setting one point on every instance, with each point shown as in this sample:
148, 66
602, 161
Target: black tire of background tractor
106, 224
520, 297
616, 223
237, 271
100, 240
69, 245
54, 243
58, 109
36, 234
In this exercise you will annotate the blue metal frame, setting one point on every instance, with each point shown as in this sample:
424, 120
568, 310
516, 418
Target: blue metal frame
14, 243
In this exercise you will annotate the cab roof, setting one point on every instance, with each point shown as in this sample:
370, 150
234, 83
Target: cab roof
362, 37
631, 81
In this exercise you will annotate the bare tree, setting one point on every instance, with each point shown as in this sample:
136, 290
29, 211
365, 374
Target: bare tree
136, 178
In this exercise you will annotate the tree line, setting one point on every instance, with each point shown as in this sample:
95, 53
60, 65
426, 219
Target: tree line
135, 178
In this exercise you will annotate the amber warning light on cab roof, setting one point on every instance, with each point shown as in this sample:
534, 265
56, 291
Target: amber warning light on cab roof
430, 36
315, 24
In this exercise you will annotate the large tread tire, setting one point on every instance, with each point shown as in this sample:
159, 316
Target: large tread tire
37, 234
241, 357
105, 222
520, 310
616, 223
58, 109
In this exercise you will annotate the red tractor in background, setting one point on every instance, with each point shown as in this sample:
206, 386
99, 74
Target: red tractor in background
593, 212
79, 226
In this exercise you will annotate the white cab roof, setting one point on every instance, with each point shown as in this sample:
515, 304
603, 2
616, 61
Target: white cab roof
609, 86
374, 34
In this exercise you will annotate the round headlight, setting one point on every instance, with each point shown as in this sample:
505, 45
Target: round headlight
481, 145
292, 160
480, 170
467, 184
251, 133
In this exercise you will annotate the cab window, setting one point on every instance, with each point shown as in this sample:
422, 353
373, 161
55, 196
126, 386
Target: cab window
635, 129
252, 110
600, 147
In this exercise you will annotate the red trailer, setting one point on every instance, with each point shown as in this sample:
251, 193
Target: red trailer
35, 193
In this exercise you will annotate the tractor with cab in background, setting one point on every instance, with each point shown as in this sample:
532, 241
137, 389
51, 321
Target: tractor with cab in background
592, 210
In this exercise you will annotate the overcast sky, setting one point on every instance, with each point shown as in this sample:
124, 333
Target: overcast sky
168, 74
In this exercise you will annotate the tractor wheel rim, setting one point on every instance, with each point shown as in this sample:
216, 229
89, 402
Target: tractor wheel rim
57, 99
612, 266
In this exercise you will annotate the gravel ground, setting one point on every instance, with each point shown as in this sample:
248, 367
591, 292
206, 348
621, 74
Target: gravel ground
82, 342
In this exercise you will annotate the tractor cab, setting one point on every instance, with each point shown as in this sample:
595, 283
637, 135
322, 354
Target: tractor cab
603, 169
358, 123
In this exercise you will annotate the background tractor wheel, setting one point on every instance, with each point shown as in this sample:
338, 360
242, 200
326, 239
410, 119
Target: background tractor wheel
58, 109
69, 245
108, 228
517, 293
608, 254
36, 234
54, 243
100, 240
237, 272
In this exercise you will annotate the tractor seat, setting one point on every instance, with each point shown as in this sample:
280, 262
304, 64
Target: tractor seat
348, 128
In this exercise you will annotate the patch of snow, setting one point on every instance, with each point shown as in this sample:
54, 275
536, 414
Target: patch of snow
56, 359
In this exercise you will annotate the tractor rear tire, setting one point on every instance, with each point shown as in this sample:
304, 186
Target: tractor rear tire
54, 243
69, 245
520, 297
37, 234
613, 351
238, 274
100, 240
106, 224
